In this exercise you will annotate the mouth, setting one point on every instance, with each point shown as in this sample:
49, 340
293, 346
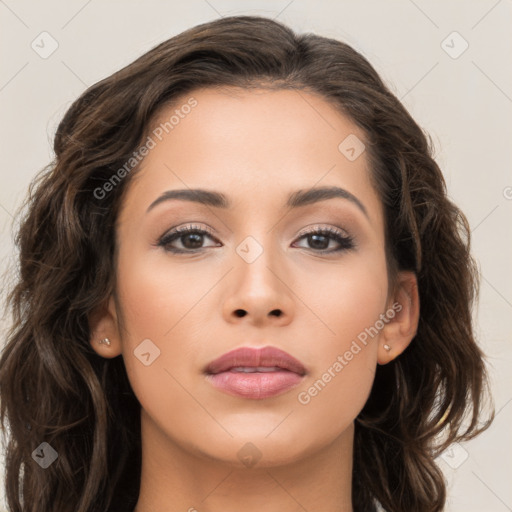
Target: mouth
255, 373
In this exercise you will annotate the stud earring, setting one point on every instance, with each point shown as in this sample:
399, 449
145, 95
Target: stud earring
387, 347
105, 341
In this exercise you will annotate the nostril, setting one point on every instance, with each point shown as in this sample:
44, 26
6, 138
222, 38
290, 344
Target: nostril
241, 312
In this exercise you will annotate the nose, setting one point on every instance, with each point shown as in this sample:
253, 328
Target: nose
259, 293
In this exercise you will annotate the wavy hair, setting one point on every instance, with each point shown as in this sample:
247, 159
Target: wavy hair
55, 388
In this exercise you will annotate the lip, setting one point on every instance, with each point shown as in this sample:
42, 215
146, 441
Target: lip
282, 373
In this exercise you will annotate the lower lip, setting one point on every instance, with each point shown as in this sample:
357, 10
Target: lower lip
257, 385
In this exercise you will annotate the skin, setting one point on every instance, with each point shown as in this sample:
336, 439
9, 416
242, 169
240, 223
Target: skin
185, 304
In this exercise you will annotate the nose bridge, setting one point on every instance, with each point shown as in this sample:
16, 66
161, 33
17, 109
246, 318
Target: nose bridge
257, 264
259, 249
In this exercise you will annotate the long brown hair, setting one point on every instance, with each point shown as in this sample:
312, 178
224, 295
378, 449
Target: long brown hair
56, 389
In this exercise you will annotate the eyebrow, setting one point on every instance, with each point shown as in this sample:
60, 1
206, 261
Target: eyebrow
295, 199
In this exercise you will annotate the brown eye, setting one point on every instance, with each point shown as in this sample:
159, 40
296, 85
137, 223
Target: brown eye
319, 240
191, 239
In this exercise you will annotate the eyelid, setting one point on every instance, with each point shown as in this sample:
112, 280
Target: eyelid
193, 227
319, 227
306, 231
184, 230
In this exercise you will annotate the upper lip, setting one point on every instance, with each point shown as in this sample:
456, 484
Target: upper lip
254, 357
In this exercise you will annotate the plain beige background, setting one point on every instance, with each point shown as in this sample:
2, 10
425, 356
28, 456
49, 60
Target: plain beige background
446, 60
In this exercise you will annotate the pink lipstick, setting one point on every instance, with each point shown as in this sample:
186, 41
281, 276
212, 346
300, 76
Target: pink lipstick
255, 373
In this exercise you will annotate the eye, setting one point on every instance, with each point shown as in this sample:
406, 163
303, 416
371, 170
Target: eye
191, 239
321, 238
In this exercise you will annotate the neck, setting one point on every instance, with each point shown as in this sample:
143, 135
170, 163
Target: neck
173, 479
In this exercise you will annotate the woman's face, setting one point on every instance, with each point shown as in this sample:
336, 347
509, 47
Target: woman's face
250, 275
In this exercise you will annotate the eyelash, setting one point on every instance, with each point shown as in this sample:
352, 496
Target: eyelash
345, 242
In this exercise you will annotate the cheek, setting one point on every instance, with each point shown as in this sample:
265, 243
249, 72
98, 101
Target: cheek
348, 298
345, 358
161, 306
157, 296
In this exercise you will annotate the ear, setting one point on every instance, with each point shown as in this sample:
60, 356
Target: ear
103, 324
403, 315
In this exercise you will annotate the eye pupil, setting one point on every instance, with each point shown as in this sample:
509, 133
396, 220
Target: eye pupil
198, 240
323, 240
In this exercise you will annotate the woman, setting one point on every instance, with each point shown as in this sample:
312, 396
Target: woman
256, 225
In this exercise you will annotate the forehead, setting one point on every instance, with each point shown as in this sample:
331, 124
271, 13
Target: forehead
274, 117
257, 144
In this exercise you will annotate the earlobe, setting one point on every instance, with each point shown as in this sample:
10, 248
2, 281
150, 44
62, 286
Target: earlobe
401, 329
104, 333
